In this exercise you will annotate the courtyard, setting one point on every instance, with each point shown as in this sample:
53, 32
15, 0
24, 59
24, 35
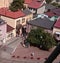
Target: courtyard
15, 51
22, 53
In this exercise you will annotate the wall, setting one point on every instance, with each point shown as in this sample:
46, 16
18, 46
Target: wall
26, 5
28, 18
3, 32
56, 30
9, 21
13, 22
8, 33
41, 10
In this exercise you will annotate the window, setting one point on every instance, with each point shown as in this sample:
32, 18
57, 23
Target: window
23, 20
18, 22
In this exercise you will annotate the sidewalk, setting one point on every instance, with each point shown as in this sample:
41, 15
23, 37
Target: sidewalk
12, 40
10, 47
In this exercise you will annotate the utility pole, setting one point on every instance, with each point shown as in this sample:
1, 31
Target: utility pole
53, 55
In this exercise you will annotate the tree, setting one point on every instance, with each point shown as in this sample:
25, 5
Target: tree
16, 5
48, 1
38, 37
56, 4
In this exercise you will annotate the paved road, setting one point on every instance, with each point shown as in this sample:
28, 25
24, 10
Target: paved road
5, 56
10, 47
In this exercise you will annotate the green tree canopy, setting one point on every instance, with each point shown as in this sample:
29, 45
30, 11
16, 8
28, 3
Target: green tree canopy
38, 37
56, 4
16, 5
48, 1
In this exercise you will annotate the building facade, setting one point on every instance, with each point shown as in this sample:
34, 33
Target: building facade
2, 32
15, 19
56, 29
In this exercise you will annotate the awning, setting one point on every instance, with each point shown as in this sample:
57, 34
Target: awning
57, 33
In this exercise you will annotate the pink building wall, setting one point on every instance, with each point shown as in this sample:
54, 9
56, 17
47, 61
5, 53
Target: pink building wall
3, 31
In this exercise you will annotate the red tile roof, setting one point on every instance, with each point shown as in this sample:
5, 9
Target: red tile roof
57, 11
57, 24
50, 14
8, 13
35, 4
27, 1
30, 1
9, 28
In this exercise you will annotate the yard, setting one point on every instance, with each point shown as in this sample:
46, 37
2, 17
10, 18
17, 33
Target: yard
22, 53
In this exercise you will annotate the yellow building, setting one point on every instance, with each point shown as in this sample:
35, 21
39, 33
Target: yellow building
35, 6
15, 19
56, 29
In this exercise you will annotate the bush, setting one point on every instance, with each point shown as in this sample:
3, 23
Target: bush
37, 37
48, 1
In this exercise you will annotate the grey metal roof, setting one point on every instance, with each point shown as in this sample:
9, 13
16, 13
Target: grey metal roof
2, 21
49, 6
27, 11
42, 22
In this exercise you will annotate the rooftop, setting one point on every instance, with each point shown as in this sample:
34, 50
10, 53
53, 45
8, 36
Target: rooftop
42, 22
54, 18
42, 15
30, 1
10, 14
35, 4
50, 14
27, 1
56, 11
57, 24
27, 12
49, 6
